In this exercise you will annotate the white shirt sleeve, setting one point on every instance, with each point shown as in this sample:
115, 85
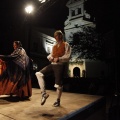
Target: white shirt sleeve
66, 56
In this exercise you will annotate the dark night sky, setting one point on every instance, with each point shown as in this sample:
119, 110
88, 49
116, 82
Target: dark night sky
13, 16
53, 15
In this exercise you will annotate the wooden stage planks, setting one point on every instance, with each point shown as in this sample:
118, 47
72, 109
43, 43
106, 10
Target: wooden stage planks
74, 106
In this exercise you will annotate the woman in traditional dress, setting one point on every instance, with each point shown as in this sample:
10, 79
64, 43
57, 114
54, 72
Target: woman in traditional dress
15, 79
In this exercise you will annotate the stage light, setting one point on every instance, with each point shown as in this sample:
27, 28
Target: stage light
29, 9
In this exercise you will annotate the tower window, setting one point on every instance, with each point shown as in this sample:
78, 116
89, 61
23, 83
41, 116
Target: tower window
73, 13
79, 10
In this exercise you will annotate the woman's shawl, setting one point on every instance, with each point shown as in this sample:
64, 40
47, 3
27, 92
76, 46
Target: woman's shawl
21, 58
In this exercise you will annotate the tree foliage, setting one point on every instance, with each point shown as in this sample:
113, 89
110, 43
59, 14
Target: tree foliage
87, 44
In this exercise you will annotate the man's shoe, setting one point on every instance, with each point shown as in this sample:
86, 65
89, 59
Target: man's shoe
44, 97
57, 103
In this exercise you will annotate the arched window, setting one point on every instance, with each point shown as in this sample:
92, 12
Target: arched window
76, 72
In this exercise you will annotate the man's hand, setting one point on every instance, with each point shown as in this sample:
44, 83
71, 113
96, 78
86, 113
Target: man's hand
51, 59
56, 60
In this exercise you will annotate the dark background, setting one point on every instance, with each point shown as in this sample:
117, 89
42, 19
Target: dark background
13, 19
52, 14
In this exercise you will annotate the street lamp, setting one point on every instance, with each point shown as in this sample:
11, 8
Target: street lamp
29, 10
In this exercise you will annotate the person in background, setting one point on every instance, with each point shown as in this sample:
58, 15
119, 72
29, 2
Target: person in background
16, 78
59, 58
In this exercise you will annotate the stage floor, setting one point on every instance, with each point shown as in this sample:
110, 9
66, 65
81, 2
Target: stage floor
13, 109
